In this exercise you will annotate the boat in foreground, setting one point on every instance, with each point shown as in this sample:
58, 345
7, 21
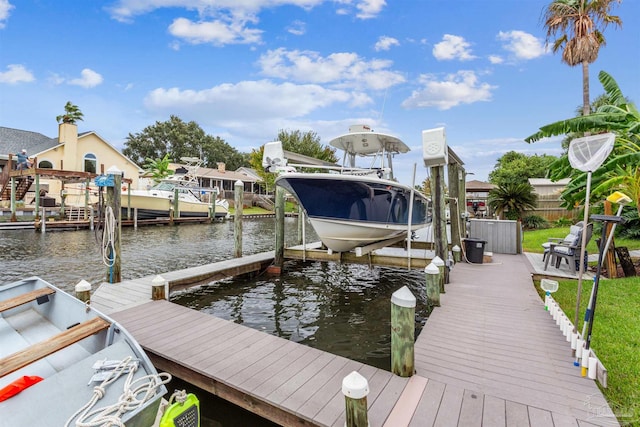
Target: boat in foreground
349, 206
74, 355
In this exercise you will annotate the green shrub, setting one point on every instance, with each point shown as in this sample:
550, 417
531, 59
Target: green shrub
563, 222
533, 222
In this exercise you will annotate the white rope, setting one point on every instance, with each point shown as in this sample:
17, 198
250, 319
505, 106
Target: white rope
135, 394
108, 238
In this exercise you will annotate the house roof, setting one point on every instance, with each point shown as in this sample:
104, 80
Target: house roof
475, 185
545, 182
14, 140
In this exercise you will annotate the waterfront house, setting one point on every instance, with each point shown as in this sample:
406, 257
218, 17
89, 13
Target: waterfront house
70, 151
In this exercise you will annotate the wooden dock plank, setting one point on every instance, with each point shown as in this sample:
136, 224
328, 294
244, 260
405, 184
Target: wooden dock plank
403, 411
427, 410
517, 414
472, 407
494, 412
450, 405
540, 418
384, 403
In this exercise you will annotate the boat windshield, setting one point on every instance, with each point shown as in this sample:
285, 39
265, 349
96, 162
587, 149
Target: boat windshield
165, 186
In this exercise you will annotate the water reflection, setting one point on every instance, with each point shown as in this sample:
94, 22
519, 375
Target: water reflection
341, 308
66, 257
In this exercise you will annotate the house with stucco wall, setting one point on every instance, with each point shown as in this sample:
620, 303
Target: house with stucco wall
70, 151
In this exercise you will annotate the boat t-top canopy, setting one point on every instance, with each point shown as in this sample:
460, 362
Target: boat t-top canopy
363, 141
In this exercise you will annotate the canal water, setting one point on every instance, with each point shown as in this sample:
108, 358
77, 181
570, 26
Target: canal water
340, 308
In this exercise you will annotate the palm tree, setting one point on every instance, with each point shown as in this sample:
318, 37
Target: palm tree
71, 115
576, 26
512, 199
622, 169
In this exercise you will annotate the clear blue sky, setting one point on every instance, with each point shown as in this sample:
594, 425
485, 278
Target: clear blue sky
243, 69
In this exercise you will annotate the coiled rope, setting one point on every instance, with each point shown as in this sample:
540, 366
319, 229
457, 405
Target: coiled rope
135, 394
108, 238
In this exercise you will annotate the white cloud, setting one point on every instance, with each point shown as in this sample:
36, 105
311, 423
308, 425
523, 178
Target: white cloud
369, 8
297, 28
217, 32
15, 74
453, 47
247, 101
88, 79
5, 9
522, 45
462, 87
496, 59
343, 70
385, 43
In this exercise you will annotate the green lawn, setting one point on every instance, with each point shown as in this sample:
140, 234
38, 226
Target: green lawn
615, 338
533, 240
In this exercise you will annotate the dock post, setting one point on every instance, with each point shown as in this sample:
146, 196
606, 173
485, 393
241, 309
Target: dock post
355, 389
453, 178
91, 218
456, 253
159, 288
432, 280
438, 262
83, 291
176, 203
36, 209
403, 309
439, 220
300, 227
112, 199
238, 187
135, 218
13, 200
279, 258
43, 222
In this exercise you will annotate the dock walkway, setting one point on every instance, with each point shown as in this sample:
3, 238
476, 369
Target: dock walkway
490, 355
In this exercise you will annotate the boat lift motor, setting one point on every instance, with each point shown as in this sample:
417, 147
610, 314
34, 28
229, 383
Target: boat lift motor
434, 147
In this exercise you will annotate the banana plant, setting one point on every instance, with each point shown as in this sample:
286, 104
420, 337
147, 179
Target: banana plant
622, 169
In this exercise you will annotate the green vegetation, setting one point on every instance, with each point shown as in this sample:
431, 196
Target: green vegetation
72, 114
614, 339
533, 240
517, 168
512, 199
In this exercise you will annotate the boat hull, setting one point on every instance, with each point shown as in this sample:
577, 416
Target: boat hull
67, 371
348, 211
151, 207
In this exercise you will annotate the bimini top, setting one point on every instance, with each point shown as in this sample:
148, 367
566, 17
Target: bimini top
363, 141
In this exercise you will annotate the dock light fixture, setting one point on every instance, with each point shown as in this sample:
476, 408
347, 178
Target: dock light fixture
434, 147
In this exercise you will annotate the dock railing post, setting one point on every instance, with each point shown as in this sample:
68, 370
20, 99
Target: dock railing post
83, 291
279, 258
432, 280
438, 262
355, 389
159, 288
237, 220
403, 309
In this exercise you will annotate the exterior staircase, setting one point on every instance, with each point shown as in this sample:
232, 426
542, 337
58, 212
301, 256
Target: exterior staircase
23, 183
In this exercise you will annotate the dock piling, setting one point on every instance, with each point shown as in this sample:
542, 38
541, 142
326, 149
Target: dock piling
159, 288
438, 262
237, 220
403, 309
83, 291
355, 389
432, 280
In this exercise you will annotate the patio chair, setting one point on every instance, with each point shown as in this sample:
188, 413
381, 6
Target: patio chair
569, 252
568, 239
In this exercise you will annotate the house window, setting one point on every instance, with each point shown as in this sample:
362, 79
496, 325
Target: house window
90, 163
45, 164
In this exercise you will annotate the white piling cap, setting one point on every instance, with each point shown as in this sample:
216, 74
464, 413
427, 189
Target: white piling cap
432, 269
238, 183
355, 386
437, 261
83, 285
403, 298
456, 248
158, 280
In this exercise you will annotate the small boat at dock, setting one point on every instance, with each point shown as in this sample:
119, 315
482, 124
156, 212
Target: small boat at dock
350, 206
62, 361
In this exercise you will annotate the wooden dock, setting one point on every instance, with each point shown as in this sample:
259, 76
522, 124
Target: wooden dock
490, 355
